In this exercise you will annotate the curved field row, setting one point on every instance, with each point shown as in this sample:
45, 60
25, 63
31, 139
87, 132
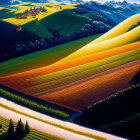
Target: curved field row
71, 63
121, 28
81, 95
77, 76
36, 60
42, 58
86, 70
89, 78
126, 38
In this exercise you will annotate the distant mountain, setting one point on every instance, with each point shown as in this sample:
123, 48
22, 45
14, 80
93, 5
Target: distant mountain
123, 4
116, 11
9, 2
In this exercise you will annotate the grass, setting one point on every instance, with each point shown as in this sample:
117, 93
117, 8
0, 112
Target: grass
57, 125
65, 19
38, 29
34, 134
42, 58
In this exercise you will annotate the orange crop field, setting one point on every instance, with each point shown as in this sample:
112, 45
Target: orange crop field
22, 79
83, 94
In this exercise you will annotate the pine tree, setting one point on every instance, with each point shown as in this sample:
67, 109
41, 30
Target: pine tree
11, 128
20, 128
27, 129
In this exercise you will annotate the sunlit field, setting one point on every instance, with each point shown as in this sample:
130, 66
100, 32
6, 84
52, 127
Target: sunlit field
20, 9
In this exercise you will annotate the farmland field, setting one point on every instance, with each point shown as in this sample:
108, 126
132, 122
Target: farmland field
12, 10
69, 68
42, 58
34, 134
81, 95
83, 74
71, 63
60, 78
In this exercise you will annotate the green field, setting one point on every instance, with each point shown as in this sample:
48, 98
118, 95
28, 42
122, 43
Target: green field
42, 58
63, 19
34, 134
66, 20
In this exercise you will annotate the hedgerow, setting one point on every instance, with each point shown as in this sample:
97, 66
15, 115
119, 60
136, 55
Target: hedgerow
114, 96
33, 105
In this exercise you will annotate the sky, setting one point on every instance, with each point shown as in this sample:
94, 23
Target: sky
132, 1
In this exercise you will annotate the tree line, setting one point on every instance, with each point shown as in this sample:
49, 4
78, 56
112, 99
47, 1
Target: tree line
12, 134
119, 106
34, 106
89, 29
113, 97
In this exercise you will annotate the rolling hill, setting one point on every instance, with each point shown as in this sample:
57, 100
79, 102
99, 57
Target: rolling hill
110, 60
42, 58
116, 37
70, 24
9, 36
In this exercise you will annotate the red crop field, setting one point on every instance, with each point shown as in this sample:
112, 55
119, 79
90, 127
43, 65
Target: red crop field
81, 95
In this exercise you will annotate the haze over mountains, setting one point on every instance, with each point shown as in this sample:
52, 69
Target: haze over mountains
107, 2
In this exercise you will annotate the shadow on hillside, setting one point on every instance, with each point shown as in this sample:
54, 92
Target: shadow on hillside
136, 79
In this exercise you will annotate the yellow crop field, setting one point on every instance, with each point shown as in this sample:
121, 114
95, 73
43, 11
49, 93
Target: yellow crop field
124, 39
51, 9
122, 28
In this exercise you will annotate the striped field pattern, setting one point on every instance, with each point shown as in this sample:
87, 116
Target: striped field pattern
89, 74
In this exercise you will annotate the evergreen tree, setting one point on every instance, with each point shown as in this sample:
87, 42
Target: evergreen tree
20, 128
11, 128
27, 129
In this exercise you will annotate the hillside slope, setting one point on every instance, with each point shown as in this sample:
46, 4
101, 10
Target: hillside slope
9, 36
116, 37
42, 58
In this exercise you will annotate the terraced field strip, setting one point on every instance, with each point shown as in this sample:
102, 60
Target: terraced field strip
41, 58
60, 78
81, 95
61, 66
75, 77
82, 71
34, 134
